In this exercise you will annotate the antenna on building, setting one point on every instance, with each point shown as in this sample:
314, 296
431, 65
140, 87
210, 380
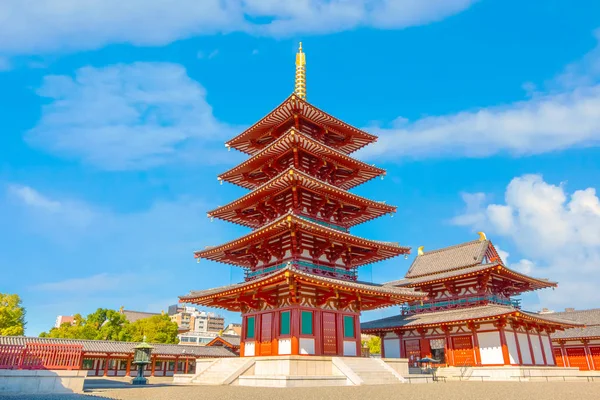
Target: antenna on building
300, 88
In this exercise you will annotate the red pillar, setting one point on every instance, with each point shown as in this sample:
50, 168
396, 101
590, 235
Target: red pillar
295, 330
505, 354
357, 336
565, 357
542, 347
257, 333
588, 356
275, 333
402, 348
176, 362
530, 346
153, 366
449, 350
187, 364
476, 351
106, 365
518, 346
339, 322
382, 341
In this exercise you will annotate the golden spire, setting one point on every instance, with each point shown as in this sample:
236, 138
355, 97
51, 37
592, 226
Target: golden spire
300, 88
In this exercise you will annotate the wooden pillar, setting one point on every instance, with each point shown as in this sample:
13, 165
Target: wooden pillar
176, 362
106, 365
357, 336
274, 334
339, 322
402, 348
382, 341
530, 346
542, 346
565, 357
588, 355
449, 349
187, 365
153, 366
81, 364
318, 331
257, 333
128, 367
476, 353
295, 330
515, 327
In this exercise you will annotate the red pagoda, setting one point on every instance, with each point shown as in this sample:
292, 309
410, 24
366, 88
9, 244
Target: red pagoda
301, 294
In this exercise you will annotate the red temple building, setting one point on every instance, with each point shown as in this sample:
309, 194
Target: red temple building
301, 295
470, 317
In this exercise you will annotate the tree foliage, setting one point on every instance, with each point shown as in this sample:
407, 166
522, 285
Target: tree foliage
12, 315
374, 344
106, 324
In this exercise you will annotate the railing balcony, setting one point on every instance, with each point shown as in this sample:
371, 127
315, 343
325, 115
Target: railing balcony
323, 270
459, 302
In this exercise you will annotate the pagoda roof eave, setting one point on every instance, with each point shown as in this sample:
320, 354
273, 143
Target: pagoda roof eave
460, 316
395, 295
294, 137
272, 119
284, 222
474, 270
281, 181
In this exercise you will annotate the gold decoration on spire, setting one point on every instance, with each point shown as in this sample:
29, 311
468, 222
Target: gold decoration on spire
420, 250
300, 88
482, 236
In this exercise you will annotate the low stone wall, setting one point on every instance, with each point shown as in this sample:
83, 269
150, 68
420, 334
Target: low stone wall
400, 365
41, 381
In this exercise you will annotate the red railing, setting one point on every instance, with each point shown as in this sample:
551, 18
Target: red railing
41, 356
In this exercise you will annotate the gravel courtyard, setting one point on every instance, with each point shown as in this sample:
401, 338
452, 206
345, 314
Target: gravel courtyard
446, 391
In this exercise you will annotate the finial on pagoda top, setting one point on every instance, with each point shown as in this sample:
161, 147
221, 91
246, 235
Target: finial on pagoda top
300, 87
482, 236
420, 250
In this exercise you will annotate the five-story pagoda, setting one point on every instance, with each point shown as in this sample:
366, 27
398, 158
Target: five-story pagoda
301, 294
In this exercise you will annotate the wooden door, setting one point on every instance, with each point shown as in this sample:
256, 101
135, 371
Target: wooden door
266, 334
577, 358
329, 334
560, 362
596, 357
463, 351
413, 351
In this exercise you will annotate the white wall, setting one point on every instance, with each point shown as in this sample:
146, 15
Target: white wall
249, 349
548, 349
513, 353
349, 348
524, 347
537, 349
307, 346
285, 346
490, 348
392, 348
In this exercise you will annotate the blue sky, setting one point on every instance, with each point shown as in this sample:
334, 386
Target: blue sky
114, 117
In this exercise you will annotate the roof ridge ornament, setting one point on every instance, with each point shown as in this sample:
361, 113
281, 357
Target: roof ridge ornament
420, 250
482, 236
300, 87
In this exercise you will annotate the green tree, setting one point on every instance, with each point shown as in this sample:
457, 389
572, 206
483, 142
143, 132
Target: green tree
12, 315
374, 344
156, 329
103, 324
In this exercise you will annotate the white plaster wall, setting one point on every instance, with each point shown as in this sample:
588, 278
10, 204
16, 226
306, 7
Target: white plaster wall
537, 349
285, 346
249, 349
490, 348
392, 348
390, 335
513, 351
349, 348
307, 346
548, 349
524, 347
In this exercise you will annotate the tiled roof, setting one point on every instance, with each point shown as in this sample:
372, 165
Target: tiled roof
591, 319
133, 316
108, 346
233, 340
450, 316
449, 258
361, 286
537, 283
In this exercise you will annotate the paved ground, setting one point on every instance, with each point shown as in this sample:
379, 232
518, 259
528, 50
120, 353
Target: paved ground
445, 391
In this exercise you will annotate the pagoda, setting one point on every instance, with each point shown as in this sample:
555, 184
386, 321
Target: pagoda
301, 295
471, 317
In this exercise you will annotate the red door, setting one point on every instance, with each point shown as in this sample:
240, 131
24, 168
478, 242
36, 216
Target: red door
559, 358
463, 351
266, 335
596, 357
329, 334
577, 358
413, 352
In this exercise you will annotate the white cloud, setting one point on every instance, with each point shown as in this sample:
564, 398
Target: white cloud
66, 25
557, 233
127, 116
566, 114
